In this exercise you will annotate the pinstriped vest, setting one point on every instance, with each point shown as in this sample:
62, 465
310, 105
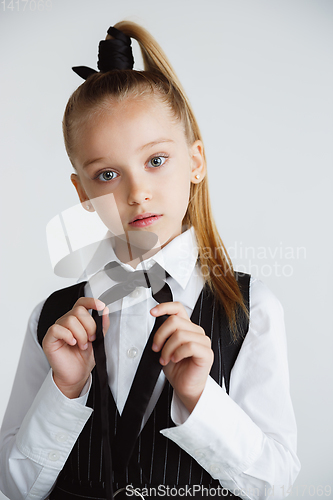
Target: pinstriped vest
156, 460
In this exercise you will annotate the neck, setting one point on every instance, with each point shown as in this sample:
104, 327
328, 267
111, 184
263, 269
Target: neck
134, 248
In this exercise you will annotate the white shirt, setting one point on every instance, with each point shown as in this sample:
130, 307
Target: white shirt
246, 440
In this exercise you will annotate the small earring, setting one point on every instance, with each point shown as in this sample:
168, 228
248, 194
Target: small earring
88, 206
197, 176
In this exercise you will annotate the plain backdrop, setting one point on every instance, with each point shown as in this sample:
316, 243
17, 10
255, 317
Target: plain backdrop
259, 75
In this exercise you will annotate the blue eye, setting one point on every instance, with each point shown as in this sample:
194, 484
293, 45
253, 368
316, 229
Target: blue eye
107, 175
157, 161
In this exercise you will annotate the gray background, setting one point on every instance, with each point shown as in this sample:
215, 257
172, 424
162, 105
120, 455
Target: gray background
259, 75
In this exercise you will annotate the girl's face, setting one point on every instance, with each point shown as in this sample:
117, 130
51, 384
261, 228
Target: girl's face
135, 166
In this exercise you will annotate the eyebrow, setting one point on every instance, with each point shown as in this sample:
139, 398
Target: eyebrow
88, 162
154, 143
145, 146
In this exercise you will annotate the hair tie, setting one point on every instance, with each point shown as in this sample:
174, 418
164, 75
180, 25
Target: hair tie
112, 54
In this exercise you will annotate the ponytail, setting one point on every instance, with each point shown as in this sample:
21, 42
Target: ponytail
154, 58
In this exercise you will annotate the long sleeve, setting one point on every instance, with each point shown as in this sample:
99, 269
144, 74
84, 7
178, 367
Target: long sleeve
35, 440
247, 440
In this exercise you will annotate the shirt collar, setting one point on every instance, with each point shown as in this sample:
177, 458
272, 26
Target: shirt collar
178, 258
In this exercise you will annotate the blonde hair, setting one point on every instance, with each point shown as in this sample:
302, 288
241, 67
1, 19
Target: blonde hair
159, 79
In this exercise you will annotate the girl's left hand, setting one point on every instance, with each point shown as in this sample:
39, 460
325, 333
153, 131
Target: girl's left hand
186, 353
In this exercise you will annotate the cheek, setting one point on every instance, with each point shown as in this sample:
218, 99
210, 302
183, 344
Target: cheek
177, 195
107, 210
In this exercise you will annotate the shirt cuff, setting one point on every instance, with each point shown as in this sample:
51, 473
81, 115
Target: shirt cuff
83, 398
179, 413
218, 434
52, 425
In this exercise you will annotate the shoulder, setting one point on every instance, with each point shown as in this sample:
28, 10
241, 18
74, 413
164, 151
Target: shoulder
261, 297
67, 293
34, 316
266, 312
34, 319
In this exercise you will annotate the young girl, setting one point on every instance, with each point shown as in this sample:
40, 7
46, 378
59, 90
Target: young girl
197, 405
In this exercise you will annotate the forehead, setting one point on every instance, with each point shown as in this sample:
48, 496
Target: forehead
126, 126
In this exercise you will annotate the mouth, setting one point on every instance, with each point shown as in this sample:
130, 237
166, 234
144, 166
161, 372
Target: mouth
143, 220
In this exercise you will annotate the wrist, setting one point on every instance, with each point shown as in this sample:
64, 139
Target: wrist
70, 391
189, 402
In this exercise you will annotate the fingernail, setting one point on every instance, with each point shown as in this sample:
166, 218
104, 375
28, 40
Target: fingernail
154, 347
162, 361
84, 347
92, 338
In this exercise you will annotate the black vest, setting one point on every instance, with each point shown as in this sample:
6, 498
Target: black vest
156, 460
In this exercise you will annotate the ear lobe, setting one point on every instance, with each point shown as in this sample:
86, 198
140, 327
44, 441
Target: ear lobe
198, 170
84, 199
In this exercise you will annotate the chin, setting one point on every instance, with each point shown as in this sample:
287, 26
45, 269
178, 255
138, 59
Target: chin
143, 238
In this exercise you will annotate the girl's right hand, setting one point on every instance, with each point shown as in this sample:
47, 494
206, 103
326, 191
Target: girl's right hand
68, 346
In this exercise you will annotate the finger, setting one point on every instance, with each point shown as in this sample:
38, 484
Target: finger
170, 308
82, 314
90, 303
87, 321
170, 326
180, 338
201, 355
80, 327
58, 333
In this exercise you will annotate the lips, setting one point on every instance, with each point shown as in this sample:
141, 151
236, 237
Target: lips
143, 216
146, 219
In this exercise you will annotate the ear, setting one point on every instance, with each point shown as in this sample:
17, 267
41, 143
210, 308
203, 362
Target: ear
198, 164
84, 199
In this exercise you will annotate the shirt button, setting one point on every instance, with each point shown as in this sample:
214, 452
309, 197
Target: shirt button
136, 293
54, 456
215, 469
199, 455
132, 352
61, 438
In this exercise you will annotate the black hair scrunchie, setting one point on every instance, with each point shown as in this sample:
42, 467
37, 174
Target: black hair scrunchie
112, 54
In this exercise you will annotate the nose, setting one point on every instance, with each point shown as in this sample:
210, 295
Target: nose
138, 191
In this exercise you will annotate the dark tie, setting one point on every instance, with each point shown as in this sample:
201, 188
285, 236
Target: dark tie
147, 374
